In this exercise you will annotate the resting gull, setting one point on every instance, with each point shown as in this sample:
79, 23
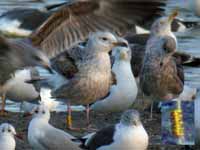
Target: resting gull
43, 136
129, 134
7, 137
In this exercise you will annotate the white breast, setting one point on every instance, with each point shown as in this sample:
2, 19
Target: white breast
34, 131
18, 89
121, 95
7, 142
128, 138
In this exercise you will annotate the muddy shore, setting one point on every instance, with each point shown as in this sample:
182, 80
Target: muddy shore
98, 120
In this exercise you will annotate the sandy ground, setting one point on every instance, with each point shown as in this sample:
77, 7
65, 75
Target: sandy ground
98, 120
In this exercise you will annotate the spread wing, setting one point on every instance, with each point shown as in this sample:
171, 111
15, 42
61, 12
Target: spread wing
74, 21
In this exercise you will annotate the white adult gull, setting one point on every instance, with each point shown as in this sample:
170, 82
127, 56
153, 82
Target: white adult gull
7, 137
128, 134
43, 136
123, 93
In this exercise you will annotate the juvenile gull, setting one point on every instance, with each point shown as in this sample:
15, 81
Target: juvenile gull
161, 77
90, 79
128, 134
15, 55
74, 21
43, 136
123, 93
7, 137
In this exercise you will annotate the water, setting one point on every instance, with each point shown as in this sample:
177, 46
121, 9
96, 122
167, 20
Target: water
188, 41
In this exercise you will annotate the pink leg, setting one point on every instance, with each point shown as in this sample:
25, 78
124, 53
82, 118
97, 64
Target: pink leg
88, 115
3, 99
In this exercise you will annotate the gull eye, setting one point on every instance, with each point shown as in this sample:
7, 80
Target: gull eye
37, 58
104, 38
43, 112
36, 111
9, 130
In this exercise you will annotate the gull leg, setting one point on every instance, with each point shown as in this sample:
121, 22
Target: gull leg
88, 119
69, 119
3, 99
88, 115
69, 116
151, 111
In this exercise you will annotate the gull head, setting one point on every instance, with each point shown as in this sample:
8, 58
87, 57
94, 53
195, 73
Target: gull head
103, 42
162, 26
41, 111
130, 117
122, 53
7, 129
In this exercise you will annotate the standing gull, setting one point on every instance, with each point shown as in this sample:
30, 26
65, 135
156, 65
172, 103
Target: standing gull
161, 76
129, 134
43, 136
7, 137
90, 79
15, 55
122, 94
74, 21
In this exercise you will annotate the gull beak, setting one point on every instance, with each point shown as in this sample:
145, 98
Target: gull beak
173, 15
19, 136
35, 79
123, 55
122, 44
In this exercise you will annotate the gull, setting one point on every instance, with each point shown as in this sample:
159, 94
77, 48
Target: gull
43, 136
89, 72
74, 21
16, 55
20, 22
128, 134
161, 76
123, 93
7, 137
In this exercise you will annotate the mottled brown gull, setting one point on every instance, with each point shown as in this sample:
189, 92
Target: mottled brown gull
92, 79
161, 77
